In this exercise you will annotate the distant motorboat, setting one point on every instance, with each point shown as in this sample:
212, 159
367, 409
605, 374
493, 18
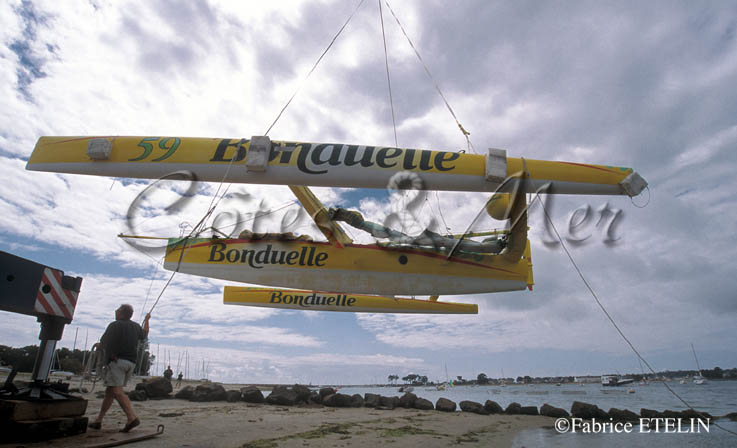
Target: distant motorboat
406, 389
615, 380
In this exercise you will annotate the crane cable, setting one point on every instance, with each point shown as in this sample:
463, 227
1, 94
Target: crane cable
611, 319
466, 134
391, 100
463, 130
314, 67
151, 284
215, 199
388, 78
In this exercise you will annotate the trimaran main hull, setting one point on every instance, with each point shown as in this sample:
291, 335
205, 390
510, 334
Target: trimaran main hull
361, 269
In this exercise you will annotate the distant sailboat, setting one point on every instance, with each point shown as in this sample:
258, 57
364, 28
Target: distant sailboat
643, 381
697, 379
447, 383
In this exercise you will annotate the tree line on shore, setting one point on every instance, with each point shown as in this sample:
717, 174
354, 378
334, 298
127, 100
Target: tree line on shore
713, 374
23, 358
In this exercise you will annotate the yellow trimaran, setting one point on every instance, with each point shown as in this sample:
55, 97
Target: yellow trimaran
362, 277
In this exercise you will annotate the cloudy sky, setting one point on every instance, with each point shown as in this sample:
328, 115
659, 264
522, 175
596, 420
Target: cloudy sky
649, 85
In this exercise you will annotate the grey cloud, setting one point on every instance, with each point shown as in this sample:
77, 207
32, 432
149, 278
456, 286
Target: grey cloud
307, 39
156, 54
193, 25
615, 60
433, 332
31, 60
363, 87
196, 17
606, 64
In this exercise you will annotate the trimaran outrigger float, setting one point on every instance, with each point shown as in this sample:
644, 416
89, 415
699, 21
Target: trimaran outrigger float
337, 274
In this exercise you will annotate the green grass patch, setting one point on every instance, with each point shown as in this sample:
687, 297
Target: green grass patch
263, 443
469, 437
407, 430
317, 433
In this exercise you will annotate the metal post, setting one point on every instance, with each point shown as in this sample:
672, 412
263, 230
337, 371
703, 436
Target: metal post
84, 352
51, 331
44, 359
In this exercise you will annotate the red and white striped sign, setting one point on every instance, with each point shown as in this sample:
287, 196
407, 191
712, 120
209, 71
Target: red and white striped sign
52, 298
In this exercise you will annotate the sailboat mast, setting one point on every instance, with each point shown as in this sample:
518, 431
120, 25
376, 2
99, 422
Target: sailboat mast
84, 352
697, 359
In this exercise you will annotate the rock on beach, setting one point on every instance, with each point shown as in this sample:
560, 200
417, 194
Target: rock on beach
388, 402
209, 392
445, 405
492, 407
407, 400
232, 396
156, 388
337, 401
552, 411
472, 406
513, 408
185, 393
252, 394
587, 411
423, 404
371, 400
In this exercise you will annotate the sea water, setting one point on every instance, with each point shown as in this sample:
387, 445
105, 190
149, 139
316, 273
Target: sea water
714, 397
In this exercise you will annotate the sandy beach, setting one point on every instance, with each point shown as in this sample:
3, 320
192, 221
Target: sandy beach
241, 424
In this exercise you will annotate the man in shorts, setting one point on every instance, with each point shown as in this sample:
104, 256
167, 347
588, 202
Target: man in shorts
120, 343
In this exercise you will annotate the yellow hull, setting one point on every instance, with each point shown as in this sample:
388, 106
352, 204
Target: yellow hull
360, 269
326, 301
314, 164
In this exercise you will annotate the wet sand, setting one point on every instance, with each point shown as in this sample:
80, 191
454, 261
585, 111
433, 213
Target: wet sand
241, 424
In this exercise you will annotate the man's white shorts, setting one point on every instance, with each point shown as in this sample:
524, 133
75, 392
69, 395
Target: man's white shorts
117, 373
